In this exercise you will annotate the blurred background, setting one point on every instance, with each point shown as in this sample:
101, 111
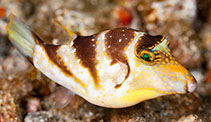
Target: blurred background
27, 95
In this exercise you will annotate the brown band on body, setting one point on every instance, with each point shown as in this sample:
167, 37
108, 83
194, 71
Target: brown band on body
85, 51
116, 43
52, 54
148, 41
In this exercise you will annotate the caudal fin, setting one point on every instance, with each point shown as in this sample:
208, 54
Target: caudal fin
21, 36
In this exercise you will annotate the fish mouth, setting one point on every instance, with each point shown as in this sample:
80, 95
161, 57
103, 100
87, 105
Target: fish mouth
191, 84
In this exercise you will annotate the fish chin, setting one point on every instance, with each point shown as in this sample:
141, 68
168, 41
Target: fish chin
133, 97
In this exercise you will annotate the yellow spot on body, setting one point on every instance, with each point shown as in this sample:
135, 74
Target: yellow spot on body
170, 75
166, 92
146, 68
185, 82
164, 78
112, 95
156, 68
161, 66
157, 56
125, 48
150, 47
167, 60
160, 91
173, 79
169, 87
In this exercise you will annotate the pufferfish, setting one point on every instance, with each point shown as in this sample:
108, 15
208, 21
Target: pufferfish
116, 68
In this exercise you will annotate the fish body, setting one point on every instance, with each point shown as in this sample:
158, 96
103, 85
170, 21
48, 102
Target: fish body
116, 68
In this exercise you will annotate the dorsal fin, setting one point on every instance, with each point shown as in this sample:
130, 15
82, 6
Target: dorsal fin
71, 35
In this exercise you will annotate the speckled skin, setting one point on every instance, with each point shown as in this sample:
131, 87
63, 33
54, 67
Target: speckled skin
108, 68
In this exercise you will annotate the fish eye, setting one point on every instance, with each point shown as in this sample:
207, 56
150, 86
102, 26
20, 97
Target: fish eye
147, 56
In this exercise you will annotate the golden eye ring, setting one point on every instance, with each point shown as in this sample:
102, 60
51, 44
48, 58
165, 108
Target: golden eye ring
147, 56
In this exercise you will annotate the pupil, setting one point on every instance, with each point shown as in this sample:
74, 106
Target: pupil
146, 56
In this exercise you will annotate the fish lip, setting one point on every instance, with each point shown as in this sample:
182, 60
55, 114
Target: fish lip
192, 85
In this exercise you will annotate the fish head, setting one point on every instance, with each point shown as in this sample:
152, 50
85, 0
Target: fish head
156, 72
